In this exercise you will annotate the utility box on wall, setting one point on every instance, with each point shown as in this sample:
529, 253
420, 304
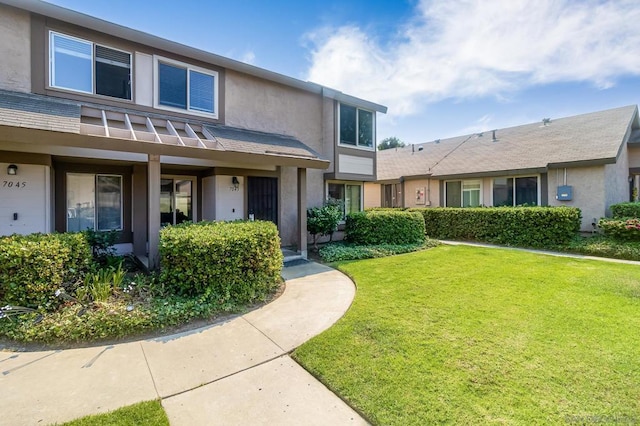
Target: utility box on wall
564, 193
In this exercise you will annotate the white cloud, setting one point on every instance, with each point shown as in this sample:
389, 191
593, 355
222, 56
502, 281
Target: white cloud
248, 57
471, 48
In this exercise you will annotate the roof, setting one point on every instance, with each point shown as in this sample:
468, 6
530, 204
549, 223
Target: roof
594, 138
127, 130
77, 18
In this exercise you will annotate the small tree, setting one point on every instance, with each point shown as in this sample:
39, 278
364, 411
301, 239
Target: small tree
324, 220
390, 142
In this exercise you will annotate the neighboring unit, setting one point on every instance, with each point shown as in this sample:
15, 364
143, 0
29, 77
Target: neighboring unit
590, 161
109, 128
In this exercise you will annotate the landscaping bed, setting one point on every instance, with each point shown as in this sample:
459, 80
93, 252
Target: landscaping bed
52, 292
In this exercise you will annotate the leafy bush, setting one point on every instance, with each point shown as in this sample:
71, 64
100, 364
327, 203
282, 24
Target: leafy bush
102, 244
384, 227
234, 262
323, 220
625, 210
602, 246
517, 226
621, 229
339, 251
33, 267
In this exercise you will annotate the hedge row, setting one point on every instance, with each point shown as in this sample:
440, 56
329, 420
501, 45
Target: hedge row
621, 229
236, 262
625, 210
374, 227
33, 267
517, 226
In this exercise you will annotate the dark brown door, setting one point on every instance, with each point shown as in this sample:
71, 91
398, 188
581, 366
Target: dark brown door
262, 193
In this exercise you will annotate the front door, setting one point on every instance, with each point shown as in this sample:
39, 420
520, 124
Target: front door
262, 198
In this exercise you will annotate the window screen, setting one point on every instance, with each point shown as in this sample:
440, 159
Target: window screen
201, 91
172, 86
347, 124
113, 73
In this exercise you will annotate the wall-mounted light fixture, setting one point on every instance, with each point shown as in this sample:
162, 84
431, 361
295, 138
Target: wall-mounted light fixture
235, 182
12, 170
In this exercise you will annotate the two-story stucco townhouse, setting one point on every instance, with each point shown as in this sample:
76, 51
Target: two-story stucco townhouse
106, 127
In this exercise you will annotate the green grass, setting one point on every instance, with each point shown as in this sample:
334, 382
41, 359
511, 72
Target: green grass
143, 413
466, 335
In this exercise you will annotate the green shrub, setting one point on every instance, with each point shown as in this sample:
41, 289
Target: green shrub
384, 227
236, 262
323, 220
516, 226
33, 267
339, 251
621, 229
602, 246
625, 210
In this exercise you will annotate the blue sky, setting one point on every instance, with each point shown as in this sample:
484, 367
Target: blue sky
443, 68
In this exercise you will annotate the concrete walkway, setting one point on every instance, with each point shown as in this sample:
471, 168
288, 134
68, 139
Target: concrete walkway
545, 252
231, 373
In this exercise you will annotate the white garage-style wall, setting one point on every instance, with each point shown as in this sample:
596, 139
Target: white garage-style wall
25, 202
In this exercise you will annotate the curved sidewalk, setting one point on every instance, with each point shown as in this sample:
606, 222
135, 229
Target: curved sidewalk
235, 372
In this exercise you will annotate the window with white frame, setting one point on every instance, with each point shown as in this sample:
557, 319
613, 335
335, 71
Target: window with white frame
184, 87
82, 66
94, 201
515, 191
356, 126
349, 194
463, 193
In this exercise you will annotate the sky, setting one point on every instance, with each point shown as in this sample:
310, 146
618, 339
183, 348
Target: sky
443, 68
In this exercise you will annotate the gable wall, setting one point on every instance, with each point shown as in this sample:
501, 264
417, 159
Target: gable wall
15, 49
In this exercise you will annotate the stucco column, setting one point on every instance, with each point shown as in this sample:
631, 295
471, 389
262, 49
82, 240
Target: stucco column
139, 206
302, 212
153, 175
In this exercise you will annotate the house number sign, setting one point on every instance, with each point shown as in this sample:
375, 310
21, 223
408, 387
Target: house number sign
16, 184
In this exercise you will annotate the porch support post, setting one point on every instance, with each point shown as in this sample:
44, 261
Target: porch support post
302, 212
139, 225
153, 174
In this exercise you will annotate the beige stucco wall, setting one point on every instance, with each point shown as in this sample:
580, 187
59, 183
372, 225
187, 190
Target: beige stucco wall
257, 104
634, 156
15, 49
372, 195
432, 192
588, 191
616, 177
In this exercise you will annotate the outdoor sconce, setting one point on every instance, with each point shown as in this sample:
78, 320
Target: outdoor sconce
12, 170
235, 182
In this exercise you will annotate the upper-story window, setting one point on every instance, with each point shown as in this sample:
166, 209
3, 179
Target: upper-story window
184, 87
356, 126
82, 66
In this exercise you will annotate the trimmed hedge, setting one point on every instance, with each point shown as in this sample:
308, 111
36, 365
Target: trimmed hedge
625, 210
33, 267
235, 262
393, 227
515, 226
621, 229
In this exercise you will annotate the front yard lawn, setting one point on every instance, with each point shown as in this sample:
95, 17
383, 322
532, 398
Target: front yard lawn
468, 335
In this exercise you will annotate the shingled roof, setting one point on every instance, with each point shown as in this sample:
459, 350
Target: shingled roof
179, 136
594, 138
